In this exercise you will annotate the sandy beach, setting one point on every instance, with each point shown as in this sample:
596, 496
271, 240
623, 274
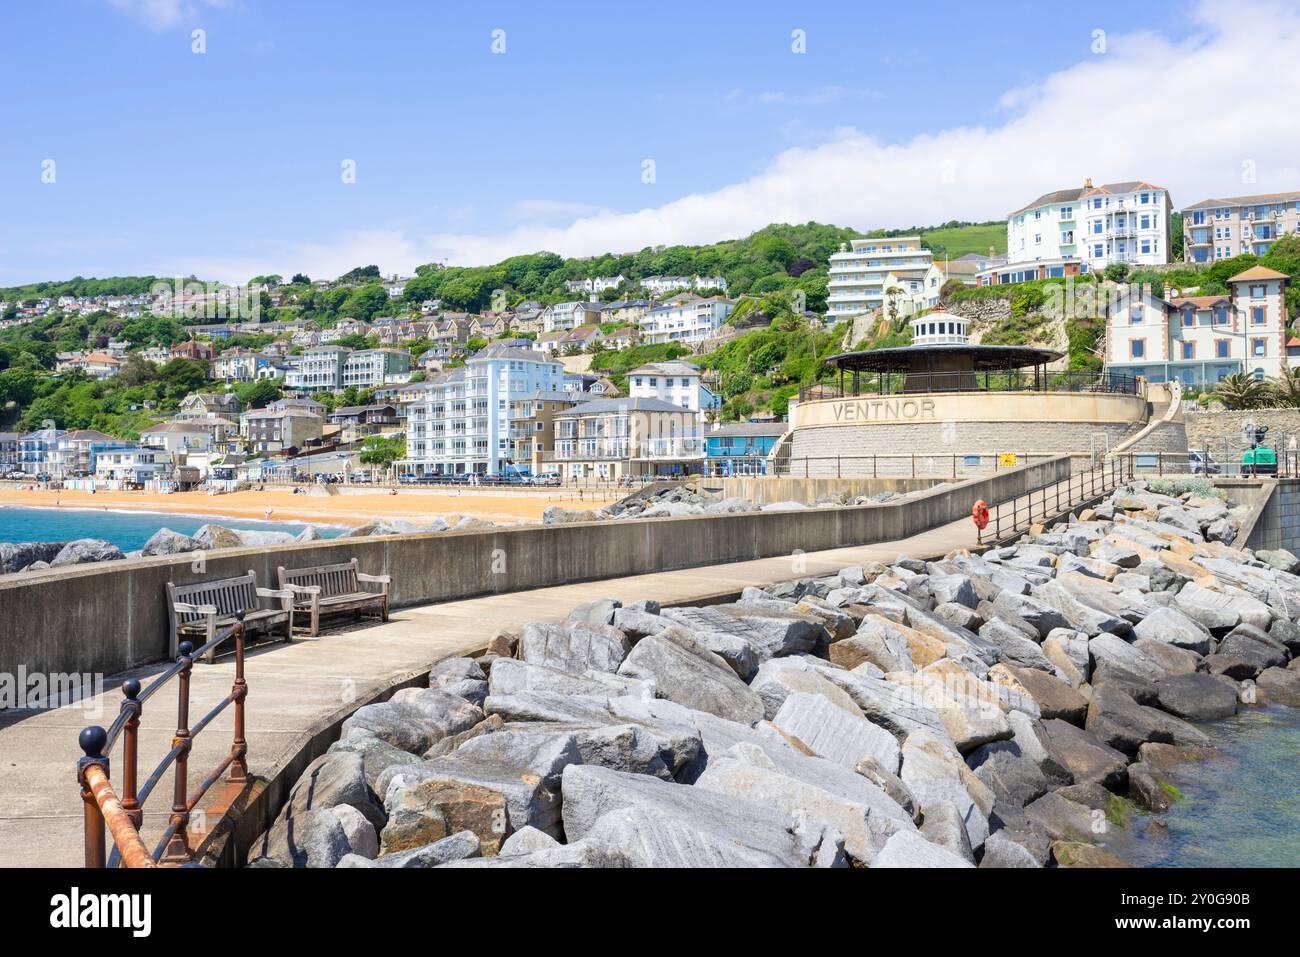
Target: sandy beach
344, 508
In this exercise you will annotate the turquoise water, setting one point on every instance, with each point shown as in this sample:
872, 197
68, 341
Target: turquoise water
1238, 810
127, 530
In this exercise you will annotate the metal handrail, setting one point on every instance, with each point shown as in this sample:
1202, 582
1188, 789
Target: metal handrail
1091, 484
124, 816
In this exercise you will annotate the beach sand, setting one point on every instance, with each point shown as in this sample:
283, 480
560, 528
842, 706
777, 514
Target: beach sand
343, 508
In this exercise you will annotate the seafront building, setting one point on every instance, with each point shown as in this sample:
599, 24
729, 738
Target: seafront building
1223, 228
1198, 340
463, 425
1071, 231
895, 276
675, 382
741, 448
610, 439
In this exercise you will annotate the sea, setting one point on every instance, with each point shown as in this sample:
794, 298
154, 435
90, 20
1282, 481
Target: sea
1239, 809
128, 530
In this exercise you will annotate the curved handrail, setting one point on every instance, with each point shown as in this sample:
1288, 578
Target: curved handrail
125, 816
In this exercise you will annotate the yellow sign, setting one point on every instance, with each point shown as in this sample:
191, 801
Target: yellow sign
1006, 458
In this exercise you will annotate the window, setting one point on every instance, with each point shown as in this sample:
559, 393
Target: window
1221, 349
1137, 348
1189, 318
1256, 315
1221, 315
1145, 221
1189, 350
1259, 348
1135, 314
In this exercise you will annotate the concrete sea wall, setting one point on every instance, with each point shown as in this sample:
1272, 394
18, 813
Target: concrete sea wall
112, 616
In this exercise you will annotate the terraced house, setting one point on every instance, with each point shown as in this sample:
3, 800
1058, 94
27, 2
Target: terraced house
1198, 340
1223, 228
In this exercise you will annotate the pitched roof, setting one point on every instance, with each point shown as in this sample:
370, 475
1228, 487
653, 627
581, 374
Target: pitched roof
750, 428
1258, 272
597, 406
672, 367
1259, 199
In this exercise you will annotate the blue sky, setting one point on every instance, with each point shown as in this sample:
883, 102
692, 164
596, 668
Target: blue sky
228, 163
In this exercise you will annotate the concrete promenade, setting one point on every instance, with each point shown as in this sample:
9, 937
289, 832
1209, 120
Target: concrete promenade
297, 686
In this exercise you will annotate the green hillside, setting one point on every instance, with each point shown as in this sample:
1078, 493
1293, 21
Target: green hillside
960, 240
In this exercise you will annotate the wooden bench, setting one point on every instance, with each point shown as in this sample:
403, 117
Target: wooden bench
205, 608
330, 588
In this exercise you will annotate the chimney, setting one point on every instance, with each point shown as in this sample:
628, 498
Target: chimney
1087, 183
1168, 291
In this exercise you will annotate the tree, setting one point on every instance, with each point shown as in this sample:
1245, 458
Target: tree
1286, 387
1242, 391
1116, 272
382, 451
300, 279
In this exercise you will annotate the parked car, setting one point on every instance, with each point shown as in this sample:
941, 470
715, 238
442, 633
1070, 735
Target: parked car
547, 478
1202, 464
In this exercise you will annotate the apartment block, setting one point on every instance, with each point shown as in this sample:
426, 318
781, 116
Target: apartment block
318, 368
1223, 228
688, 322
463, 423
1200, 339
371, 368
867, 275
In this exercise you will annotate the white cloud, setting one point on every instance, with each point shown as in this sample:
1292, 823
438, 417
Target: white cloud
1186, 115
164, 14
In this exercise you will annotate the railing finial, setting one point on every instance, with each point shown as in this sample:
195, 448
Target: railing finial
93, 739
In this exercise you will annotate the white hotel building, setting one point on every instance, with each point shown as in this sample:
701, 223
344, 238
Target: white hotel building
687, 322
463, 421
1071, 231
864, 271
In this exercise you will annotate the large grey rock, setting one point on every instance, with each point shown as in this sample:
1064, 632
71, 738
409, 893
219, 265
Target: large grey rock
361, 834
836, 734
1119, 722
1079, 615
958, 589
598, 612
1082, 754
1116, 652
166, 542
85, 550
942, 824
1249, 644
1197, 696
336, 777
1010, 775
1213, 609
623, 747
659, 824
771, 632
810, 790
1000, 851
510, 676
933, 771
15, 556
414, 719
1174, 628
1066, 820
314, 838
574, 646
1014, 646
734, 650
698, 682
910, 849
458, 846
1035, 611
376, 755
778, 678
879, 641
897, 709
527, 840
217, 536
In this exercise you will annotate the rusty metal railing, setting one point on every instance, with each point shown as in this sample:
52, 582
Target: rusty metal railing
124, 816
1054, 498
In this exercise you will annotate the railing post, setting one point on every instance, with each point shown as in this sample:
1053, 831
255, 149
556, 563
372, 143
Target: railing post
92, 741
178, 845
238, 692
130, 752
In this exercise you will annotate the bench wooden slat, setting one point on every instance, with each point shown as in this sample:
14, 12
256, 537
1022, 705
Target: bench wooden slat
337, 589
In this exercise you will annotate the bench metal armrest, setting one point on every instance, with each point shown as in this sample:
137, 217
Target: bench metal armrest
209, 610
380, 579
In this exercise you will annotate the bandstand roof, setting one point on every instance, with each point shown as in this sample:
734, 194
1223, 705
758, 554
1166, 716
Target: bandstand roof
981, 358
